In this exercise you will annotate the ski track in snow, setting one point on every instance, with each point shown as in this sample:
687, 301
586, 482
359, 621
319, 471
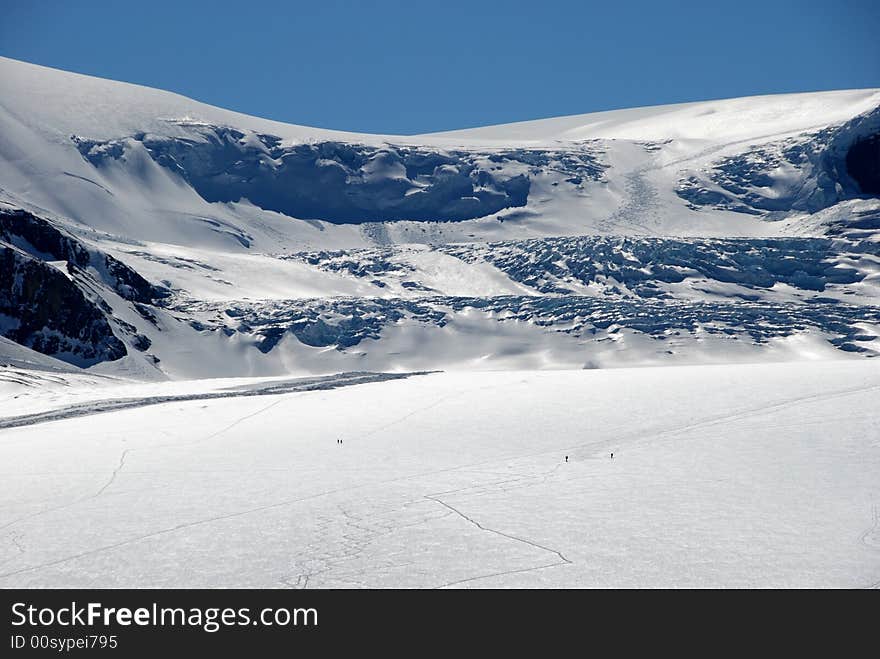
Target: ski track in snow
241, 285
106, 406
364, 532
115, 405
725, 418
640, 209
119, 467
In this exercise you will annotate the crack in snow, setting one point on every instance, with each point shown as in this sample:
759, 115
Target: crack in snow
563, 560
431, 497
498, 574
113, 475
865, 538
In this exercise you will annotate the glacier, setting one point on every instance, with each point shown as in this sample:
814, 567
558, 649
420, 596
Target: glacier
195, 304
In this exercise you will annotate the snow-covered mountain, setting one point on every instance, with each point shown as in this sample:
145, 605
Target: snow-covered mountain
299, 285
146, 234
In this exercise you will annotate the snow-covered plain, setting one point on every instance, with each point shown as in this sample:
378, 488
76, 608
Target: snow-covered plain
730, 476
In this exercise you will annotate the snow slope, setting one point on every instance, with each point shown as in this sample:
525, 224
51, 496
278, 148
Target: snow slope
733, 476
245, 293
720, 121
642, 155
729, 230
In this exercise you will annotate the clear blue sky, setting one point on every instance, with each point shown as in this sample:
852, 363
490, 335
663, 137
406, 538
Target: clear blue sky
414, 66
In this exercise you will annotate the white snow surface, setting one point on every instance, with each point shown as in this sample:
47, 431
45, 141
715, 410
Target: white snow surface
646, 150
217, 256
635, 308
724, 120
722, 476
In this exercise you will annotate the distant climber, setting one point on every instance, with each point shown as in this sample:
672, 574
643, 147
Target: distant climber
612, 456
566, 458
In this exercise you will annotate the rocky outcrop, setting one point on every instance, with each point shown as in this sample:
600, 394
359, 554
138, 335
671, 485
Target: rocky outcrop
43, 309
39, 238
807, 173
54, 292
863, 164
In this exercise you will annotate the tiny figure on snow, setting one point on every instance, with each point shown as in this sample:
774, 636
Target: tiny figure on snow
566, 458
612, 456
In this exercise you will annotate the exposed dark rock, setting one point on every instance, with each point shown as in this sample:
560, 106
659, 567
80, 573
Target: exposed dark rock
141, 342
807, 172
41, 308
863, 164
38, 237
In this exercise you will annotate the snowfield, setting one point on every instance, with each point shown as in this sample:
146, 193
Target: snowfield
236, 352
730, 476
203, 243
